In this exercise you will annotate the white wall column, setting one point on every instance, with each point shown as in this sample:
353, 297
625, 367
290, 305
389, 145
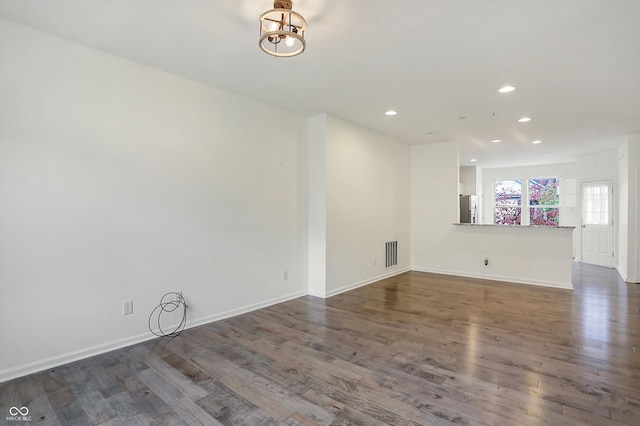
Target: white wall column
628, 204
317, 205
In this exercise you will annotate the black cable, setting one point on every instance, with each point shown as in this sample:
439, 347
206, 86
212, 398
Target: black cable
173, 302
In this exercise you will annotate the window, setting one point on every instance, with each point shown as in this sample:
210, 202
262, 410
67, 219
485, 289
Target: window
542, 206
507, 202
544, 202
595, 204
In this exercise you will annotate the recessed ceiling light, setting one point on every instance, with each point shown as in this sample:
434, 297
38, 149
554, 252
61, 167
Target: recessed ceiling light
524, 119
391, 112
536, 142
496, 140
506, 89
473, 160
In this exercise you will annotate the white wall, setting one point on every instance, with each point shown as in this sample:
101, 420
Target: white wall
119, 182
368, 204
529, 255
519, 254
317, 196
628, 212
480, 195
598, 166
434, 202
622, 210
634, 205
468, 180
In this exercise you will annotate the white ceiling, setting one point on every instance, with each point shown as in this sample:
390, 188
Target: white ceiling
575, 63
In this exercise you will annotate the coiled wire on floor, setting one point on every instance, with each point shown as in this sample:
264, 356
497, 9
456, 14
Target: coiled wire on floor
170, 302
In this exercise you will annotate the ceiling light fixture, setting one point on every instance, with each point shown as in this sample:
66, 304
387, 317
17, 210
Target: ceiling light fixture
496, 141
536, 142
391, 112
506, 89
473, 160
523, 119
282, 30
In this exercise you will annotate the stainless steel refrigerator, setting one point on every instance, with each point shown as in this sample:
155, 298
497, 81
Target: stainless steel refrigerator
468, 209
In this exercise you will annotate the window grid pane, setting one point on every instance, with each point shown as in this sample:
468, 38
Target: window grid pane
508, 192
508, 216
544, 201
544, 192
596, 205
544, 216
507, 198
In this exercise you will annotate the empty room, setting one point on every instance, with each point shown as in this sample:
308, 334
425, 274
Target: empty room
318, 212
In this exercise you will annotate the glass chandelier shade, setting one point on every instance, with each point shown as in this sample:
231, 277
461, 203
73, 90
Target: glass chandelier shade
282, 30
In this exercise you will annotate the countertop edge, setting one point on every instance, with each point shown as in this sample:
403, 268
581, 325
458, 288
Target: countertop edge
513, 226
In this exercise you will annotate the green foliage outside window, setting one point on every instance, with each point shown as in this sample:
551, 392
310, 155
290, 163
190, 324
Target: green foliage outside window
544, 199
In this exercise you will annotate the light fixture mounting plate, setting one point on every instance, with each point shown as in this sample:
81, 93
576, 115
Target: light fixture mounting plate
282, 4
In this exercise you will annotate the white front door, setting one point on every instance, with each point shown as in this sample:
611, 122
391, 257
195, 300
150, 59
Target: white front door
597, 223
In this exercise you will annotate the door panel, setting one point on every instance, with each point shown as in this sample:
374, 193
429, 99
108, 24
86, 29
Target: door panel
597, 223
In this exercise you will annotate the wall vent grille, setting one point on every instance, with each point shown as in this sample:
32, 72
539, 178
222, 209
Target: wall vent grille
390, 254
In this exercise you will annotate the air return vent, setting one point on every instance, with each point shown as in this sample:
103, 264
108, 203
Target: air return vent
390, 254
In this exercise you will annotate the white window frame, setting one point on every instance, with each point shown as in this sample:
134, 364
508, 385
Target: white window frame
496, 206
551, 206
525, 216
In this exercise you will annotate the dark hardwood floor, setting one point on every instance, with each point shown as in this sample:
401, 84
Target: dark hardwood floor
415, 349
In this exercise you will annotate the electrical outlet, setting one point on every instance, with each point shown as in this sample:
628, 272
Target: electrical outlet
374, 261
486, 261
127, 307
285, 275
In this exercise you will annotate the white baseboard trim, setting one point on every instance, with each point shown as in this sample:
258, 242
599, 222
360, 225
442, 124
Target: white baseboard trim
45, 364
625, 277
366, 282
38, 366
516, 280
622, 273
243, 310
316, 293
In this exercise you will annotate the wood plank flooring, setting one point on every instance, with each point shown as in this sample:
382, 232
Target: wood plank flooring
415, 349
